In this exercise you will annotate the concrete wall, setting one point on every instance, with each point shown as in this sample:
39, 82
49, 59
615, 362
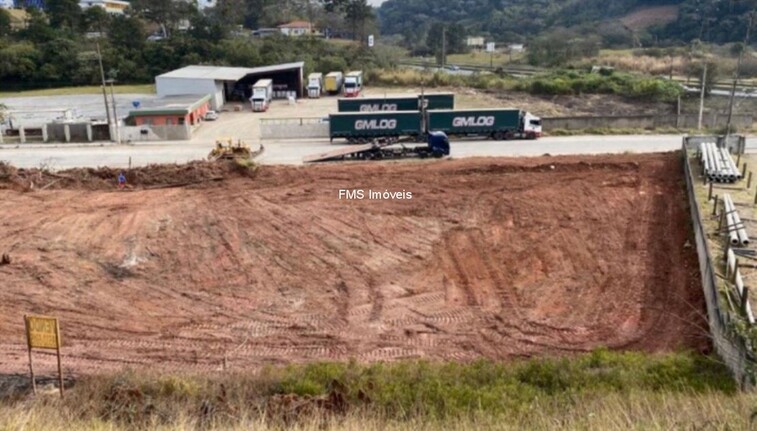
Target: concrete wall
305, 128
78, 132
155, 133
167, 86
685, 121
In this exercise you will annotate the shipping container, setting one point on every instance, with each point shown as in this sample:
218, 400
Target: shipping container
357, 126
374, 104
437, 101
496, 123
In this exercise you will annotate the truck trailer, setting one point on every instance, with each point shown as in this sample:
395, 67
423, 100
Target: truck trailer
434, 101
315, 85
353, 84
397, 103
375, 104
361, 127
499, 124
262, 93
333, 82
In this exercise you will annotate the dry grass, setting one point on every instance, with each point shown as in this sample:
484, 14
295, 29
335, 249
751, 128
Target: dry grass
643, 63
631, 411
601, 390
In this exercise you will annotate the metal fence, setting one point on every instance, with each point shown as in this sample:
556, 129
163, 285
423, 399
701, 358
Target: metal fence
730, 346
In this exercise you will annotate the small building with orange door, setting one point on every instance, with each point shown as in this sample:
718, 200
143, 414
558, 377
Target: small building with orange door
173, 111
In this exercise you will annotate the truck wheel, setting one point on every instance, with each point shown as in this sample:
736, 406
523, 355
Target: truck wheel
500, 136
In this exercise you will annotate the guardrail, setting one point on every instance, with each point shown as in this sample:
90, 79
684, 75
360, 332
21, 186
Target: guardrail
730, 346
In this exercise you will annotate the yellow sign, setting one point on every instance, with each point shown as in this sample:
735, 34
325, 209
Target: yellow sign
42, 332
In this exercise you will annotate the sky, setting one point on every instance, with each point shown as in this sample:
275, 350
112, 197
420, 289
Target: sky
375, 2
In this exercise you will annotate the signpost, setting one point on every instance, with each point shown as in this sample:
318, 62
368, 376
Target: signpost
43, 333
490, 49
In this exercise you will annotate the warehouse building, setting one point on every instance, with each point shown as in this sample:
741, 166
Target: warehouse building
225, 84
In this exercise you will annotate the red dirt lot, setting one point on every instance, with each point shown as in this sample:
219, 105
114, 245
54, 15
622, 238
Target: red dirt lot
494, 258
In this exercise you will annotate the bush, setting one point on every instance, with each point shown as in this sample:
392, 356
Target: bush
573, 82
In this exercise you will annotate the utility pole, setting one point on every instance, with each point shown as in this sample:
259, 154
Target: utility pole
115, 112
444, 46
737, 73
701, 96
105, 91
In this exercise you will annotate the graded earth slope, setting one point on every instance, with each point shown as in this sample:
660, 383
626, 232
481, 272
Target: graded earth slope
492, 258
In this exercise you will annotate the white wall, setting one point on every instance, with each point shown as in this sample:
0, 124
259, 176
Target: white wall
182, 86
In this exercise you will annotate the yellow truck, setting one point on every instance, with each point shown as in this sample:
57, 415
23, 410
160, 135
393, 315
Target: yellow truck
333, 83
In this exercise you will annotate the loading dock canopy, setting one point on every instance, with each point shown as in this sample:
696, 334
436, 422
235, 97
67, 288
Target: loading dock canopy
229, 83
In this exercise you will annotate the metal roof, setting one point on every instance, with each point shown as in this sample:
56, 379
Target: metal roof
174, 105
222, 73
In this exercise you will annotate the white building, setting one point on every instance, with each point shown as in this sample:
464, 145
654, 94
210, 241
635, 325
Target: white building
296, 28
116, 7
204, 4
475, 42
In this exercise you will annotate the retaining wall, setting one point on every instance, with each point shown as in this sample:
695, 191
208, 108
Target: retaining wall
294, 128
731, 348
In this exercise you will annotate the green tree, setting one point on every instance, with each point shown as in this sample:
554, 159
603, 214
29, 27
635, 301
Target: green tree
64, 13
127, 34
446, 38
562, 46
357, 13
165, 13
95, 19
5, 22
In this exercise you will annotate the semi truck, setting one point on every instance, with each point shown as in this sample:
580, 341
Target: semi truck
315, 85
499, 124
437, 145
353, 84
262, 93
333, 82
413, 102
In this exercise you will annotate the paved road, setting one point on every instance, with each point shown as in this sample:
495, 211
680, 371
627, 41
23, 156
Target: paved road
292, 152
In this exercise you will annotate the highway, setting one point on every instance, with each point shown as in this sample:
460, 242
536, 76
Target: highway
61, 156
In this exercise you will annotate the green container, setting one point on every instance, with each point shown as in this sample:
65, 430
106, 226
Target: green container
474, 121
378, 104
375, 124
436, 101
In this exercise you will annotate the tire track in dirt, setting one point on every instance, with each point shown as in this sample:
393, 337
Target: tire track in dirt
275, 269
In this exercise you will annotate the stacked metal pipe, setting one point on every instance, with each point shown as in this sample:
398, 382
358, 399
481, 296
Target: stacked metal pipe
718, 164
736, 231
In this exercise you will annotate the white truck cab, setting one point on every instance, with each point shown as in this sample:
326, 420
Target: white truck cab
531, 126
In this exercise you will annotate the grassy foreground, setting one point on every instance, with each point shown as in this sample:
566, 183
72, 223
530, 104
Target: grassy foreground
69, 91
601, 390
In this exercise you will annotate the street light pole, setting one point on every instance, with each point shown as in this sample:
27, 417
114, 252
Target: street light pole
105, 94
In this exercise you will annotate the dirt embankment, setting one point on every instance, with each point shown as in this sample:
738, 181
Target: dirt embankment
105, 178
492, 258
